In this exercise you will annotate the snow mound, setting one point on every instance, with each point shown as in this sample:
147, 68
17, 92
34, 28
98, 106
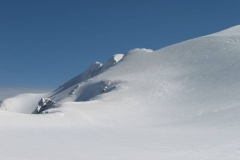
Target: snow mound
139, 50
23, 103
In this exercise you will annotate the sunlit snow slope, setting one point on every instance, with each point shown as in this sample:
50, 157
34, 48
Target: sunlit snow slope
182, 81
174, 92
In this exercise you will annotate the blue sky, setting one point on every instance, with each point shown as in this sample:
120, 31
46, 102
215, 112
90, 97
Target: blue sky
47, 42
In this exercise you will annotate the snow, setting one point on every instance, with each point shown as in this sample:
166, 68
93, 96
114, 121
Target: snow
95, 69
179, 102
233, 30
22, 103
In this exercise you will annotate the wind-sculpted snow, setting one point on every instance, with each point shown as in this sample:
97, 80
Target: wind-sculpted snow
181, 102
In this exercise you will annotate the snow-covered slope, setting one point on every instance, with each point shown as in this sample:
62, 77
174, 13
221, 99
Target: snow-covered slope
95, 69
181, 102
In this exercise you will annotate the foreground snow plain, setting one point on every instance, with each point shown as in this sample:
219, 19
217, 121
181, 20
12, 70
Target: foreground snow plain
181, 102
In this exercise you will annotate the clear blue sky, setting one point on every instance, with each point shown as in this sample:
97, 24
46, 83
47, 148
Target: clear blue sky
47, 42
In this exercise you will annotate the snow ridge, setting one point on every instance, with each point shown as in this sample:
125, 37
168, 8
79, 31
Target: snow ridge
232, 30
95, 69
110, 62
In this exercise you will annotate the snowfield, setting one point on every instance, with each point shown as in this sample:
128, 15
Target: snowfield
181, 102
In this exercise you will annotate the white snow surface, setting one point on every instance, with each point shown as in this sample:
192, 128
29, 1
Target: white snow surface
181, 102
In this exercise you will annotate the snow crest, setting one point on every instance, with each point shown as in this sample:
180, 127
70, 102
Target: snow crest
232, 30
139, 50
93, 71
111, 62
